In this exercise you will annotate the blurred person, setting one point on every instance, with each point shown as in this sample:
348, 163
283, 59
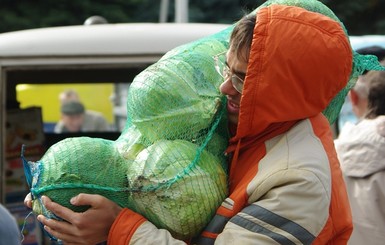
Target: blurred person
75, 118
9, 230
361, 151
358, 95
356, 102
72, 117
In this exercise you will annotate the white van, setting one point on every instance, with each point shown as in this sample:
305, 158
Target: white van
98, 61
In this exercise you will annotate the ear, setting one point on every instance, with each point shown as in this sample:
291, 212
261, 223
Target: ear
354, 98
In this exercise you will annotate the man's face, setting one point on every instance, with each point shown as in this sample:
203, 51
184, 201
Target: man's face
237, 67
73, 123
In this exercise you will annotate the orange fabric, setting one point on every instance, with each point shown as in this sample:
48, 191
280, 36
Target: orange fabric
225, 212
339, 226
209, 235
124, 227
251, 144
290, 77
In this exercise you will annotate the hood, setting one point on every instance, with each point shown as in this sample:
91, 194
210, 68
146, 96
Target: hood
299, 60
361, 149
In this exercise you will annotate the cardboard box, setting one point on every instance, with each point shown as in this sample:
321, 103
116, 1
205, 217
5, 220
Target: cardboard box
23, 127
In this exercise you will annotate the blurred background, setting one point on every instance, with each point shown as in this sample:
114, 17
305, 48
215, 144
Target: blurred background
360, 16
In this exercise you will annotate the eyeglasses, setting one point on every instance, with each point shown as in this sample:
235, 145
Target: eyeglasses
224, 70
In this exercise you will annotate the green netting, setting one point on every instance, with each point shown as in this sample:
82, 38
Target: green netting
168, 163
80, 165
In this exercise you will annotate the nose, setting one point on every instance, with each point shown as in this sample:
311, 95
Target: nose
227, 87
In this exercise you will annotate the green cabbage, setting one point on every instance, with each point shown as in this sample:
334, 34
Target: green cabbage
168, 163
174, 99
172, 190
80, 165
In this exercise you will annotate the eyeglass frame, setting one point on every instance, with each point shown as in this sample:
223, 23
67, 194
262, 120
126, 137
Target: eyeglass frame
226, 73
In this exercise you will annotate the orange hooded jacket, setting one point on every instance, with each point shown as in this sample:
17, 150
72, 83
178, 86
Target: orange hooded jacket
285, 182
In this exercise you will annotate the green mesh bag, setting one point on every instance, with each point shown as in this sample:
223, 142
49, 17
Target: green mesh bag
168, 164
176, 187
79, 165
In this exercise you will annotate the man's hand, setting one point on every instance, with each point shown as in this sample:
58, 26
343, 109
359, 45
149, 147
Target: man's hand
89, 227
28, 200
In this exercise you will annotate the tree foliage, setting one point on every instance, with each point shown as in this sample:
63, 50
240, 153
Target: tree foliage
360, 17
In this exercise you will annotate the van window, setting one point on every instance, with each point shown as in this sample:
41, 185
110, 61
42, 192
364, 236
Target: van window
104, 99
101, 89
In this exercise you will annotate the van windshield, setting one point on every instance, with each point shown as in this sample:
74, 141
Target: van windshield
77, 107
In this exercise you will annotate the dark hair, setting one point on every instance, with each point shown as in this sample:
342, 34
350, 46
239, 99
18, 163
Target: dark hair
242, 36
72, 108
376, 98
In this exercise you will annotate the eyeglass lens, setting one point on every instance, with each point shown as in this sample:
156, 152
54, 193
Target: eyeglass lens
225, 72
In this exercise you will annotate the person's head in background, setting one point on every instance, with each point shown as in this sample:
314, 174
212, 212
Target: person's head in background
358, 95
375, 84
72, 115
68, 95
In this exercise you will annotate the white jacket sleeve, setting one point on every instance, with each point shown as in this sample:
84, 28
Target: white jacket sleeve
148, 233
289, 207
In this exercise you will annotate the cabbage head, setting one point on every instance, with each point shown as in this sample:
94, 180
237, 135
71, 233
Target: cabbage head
174, 191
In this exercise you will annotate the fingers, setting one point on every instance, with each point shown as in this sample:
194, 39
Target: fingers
86, 199
58, 229
66, 213
89, 227
58, 210
28, 200
53, 226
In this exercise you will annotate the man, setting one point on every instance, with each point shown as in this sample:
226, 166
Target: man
361, 153
74, 117
284, 66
